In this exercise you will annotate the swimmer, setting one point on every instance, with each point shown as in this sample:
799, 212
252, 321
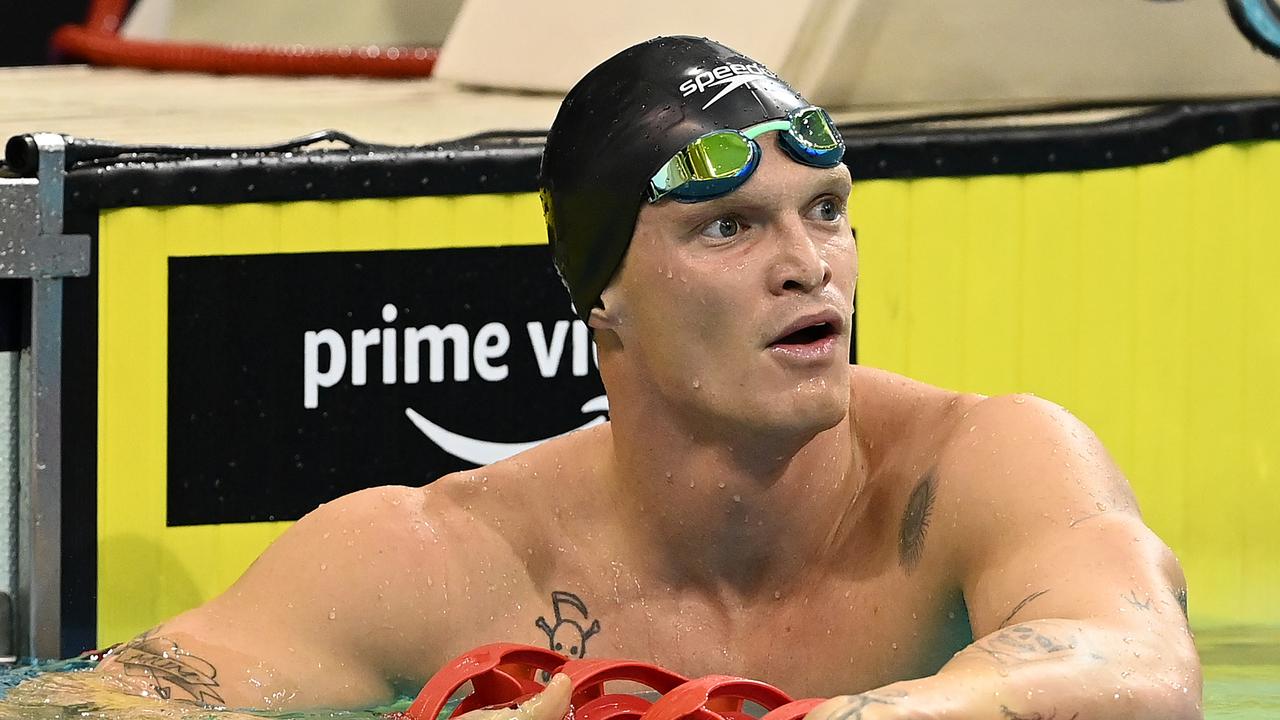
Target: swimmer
756, 506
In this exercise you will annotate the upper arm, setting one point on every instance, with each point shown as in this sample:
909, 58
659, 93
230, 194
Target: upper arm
1053, 529
320, 619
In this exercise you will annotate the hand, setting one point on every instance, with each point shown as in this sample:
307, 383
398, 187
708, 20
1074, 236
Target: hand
550, 704
877, 705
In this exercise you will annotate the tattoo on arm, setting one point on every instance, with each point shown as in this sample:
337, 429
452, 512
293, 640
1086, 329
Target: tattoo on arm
172, 672
915, 521
1008, 714
1180, 594
1102, 510
1132, 599
852, 706
1023, 644
1021, 605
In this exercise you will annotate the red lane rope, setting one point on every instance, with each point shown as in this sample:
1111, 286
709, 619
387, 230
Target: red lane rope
98, 42
108, 15
505, 674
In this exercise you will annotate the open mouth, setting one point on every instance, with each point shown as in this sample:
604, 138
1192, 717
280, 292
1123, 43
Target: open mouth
807, 335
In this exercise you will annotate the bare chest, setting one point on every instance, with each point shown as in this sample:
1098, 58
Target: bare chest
836, 639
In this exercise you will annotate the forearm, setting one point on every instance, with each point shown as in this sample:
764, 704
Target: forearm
1046, 670
86, 694
175, 666
178, 662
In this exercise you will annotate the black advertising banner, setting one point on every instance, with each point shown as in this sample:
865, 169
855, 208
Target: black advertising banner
298, 378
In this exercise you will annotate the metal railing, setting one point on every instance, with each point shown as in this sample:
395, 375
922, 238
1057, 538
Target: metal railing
34, 248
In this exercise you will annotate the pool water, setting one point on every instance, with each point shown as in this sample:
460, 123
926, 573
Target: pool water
64, 690
1241, 671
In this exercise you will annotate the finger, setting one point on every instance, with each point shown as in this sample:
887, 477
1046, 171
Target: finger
826, 709
550, 704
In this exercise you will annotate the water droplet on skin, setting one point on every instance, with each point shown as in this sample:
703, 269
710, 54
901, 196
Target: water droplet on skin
737, 498
333, 615
323, 566
777, 594
1019, 400
894, 646
720, 485
697, 384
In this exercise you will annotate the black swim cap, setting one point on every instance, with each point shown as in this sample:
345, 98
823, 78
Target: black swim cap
619, 124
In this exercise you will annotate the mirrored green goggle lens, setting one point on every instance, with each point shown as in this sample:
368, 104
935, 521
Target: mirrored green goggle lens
812, 128
718, 155
704, 165
812, 139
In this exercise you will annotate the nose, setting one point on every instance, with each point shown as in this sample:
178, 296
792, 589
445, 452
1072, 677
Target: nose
798, 263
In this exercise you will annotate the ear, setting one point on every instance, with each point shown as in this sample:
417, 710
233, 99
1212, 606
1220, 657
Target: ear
605, 315
599, 319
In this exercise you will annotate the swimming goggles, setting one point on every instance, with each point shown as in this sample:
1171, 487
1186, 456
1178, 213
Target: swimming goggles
720, 161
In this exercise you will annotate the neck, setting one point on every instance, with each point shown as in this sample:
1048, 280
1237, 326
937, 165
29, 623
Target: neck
746, 515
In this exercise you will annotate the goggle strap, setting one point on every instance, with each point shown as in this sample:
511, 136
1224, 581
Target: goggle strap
755, 131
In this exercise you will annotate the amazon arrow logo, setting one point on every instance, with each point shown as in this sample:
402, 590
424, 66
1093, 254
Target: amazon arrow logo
485, 452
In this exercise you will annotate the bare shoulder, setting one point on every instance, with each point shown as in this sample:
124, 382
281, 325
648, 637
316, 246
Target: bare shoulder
1033, 446
1019, 461
905, 410
530, 495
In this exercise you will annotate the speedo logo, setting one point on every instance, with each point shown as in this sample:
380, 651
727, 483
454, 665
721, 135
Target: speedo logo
726, 77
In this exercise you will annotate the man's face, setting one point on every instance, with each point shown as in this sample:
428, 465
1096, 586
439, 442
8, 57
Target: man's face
738, 310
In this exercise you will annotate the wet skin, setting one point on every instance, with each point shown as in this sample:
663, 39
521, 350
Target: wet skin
756, 507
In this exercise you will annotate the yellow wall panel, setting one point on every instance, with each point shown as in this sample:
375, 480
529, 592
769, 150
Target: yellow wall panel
1104, 343
993, 250
1261, 365
935, 266
879, 213
1214, 358
1158, 325
1144, 299
1050, 287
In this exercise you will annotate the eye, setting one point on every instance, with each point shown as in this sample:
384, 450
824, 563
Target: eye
721, 228
827, 209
